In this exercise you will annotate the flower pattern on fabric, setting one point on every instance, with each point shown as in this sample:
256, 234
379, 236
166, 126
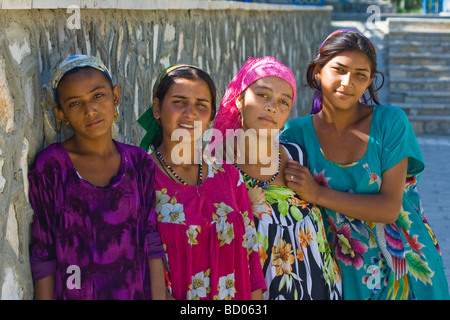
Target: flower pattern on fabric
197, 223
192, 234
380, 261
200, 286
282, 257
293, 249
172, 212
226, 287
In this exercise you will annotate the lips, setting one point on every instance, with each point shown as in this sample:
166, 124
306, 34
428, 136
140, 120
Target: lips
344, 93
186, 125
94, 123
267, 119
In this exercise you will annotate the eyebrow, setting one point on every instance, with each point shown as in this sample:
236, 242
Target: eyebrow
74, 97
184, 97
359, 69
270, 89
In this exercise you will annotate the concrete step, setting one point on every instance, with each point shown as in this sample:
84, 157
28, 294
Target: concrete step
419, 84
433, 125
423, 58
425, 109
424, 97
419, 24
415, 46
423, 36
418, 71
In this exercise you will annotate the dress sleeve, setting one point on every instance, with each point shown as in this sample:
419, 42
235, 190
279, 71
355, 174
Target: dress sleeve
154, 242
42, 245
256, 274
399, 141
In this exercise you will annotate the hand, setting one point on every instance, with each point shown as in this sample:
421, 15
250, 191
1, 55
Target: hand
299, 179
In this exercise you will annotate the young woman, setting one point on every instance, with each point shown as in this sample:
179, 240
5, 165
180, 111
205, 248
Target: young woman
294, 253
204, 213
94, 232
366, 164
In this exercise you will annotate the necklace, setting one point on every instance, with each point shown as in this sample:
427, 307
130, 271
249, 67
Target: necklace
200, 169
262, 184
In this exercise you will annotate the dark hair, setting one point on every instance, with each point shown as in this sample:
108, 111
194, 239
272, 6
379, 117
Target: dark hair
75, 70
185, 72
332, 46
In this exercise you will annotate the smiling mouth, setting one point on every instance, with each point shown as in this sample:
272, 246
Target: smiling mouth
344, 93
186, 126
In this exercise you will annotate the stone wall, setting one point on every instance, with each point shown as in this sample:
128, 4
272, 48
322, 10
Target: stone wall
136, 43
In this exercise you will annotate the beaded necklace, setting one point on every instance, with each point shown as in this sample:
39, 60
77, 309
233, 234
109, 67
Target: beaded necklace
200, 169
262, 184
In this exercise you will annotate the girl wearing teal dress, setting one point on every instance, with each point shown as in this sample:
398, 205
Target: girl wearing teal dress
364, 166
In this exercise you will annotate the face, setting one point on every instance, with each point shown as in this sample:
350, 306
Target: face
344, 79
266, 104
187, 106
87, 102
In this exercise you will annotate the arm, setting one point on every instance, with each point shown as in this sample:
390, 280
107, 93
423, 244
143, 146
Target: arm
382, 207
157, 279
257, 295
44, 288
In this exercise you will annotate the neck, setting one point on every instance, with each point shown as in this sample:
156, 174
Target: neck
102, 146
258, 150
180, 153
339, 119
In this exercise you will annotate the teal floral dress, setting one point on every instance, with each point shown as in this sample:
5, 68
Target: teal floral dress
378, 261
294, 253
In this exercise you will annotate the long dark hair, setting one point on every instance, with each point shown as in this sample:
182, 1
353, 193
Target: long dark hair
184, 72
340, 41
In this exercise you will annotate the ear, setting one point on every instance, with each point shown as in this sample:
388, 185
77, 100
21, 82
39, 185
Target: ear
317, 71
60, 115
156, 109
116, 95
240, 101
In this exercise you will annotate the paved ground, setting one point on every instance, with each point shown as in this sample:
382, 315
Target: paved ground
435, 192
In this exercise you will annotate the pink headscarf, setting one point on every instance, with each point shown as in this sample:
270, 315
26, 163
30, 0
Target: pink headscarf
228, 116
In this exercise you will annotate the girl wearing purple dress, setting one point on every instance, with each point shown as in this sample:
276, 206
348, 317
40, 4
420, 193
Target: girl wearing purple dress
94, 234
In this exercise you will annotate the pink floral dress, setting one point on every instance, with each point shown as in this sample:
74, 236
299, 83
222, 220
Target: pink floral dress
209, 236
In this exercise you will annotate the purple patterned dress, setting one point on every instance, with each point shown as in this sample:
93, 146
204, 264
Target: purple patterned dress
95, 241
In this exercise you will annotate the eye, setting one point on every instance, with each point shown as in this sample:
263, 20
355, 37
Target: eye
285, 103
98, 95
202, 105
73, 104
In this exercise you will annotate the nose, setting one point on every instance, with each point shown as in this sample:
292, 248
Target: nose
346, 79
190, 109
270, 106
89, 109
